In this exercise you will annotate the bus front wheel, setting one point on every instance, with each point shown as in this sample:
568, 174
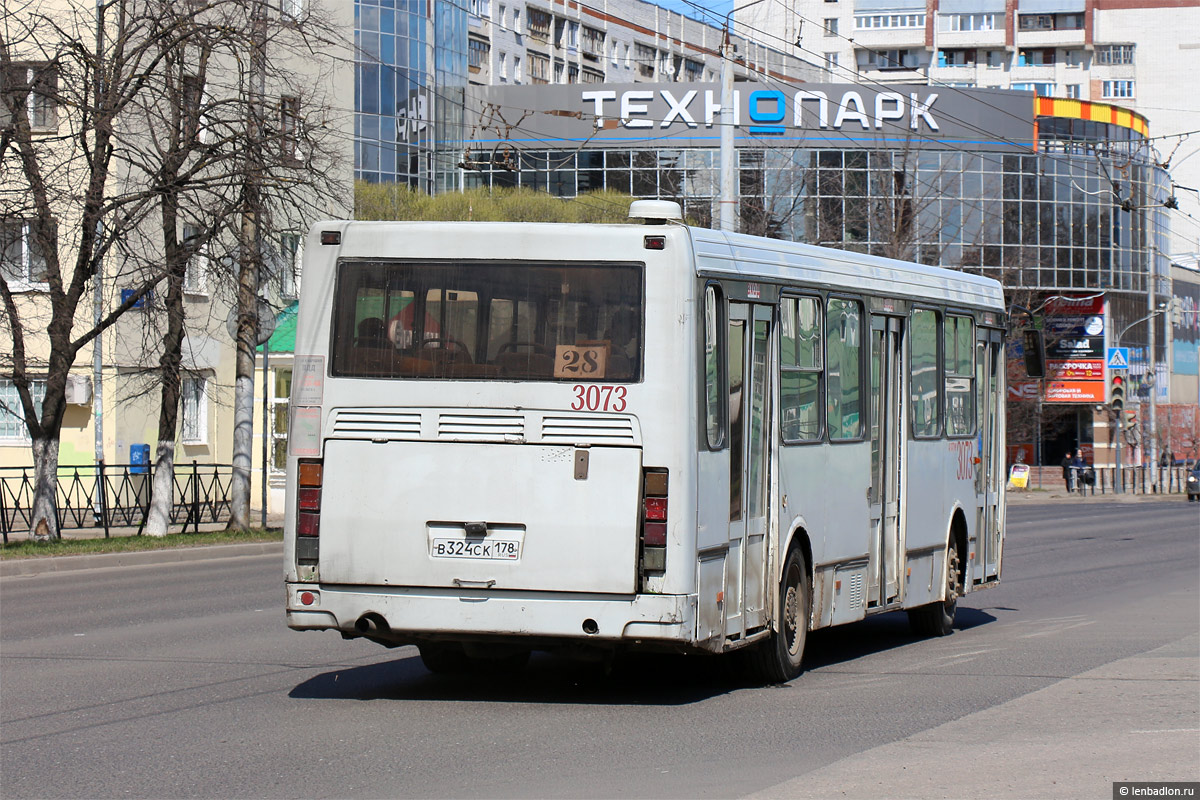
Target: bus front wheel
778, 658
937, 619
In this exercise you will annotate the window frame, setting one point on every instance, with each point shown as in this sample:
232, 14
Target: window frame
819, 370
721, 310
863, 377
969, 375
27, 281
200, 436
15, 414
939, 381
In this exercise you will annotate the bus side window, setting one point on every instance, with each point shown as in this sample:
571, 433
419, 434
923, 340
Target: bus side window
802, 368
923, 376
843, 357
713, 396
960, 376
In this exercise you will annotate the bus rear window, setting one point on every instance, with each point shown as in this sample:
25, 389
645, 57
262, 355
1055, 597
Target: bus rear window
488, 321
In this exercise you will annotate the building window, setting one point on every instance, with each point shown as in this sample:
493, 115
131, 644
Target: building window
289, 265
35, 86
966, 22
539, 24
22, 259
195, 274
1114, 54
956, 58
193, 410
1074, 58
480, 8
571, 35
477, 54
12, 417
995, 59
1036, 22
289, 128
592, 76
291, 10
831, 26
516, 69
693, 71
889, 21
1117, 90
593, 42
539, 68
516, 26
887, 59
831, 61
502, 66
558, 72
501, 14
281, 392
646, 58
1072, 90
1040, 89
1036, 58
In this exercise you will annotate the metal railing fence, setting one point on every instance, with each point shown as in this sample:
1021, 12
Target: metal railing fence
116, 495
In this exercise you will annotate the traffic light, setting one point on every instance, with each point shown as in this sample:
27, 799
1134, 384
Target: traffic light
1116, 393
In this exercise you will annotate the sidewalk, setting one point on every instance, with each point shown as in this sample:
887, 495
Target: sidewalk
1135, 719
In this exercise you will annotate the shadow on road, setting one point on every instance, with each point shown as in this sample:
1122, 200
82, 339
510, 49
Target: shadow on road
641, 679
873, 635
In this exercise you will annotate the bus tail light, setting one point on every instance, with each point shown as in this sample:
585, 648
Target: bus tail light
310, 476
654, 521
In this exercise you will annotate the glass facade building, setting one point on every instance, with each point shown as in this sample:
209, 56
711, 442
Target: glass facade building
410, 74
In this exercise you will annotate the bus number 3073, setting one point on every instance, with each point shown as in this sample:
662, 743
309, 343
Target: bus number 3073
598, 398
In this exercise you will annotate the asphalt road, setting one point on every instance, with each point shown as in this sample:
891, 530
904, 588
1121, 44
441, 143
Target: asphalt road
182, 680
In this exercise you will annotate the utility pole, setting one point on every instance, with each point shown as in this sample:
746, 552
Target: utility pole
728, 201
1152, 373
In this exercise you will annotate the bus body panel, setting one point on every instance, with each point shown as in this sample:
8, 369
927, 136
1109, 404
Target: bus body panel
399, 523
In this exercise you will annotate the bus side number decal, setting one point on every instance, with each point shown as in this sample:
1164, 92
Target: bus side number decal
962, 451
593, 397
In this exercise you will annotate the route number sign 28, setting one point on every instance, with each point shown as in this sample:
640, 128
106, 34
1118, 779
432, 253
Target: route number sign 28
584, 361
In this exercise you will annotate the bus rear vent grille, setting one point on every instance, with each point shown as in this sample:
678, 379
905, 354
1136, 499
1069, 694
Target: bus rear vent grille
589, 430
480, 427
377, 424
856, 590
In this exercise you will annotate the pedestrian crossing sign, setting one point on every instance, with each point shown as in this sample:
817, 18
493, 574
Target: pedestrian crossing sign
1118, 358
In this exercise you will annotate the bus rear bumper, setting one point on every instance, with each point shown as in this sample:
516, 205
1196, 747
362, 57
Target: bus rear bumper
410, 614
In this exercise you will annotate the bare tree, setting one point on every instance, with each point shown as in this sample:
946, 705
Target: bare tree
134, 120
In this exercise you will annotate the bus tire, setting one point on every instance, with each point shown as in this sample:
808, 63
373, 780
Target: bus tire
443, 658
937, 619
779, 657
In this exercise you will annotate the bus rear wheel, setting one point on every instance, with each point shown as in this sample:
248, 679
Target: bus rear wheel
779, 657
937, 619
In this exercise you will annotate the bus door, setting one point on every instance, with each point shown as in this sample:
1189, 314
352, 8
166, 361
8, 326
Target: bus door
748, 363
989, 471
887, 433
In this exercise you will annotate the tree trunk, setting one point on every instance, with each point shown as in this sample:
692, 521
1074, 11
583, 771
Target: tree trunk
162, 496
44, 524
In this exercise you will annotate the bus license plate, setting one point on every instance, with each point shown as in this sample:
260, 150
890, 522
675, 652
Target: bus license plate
486, 549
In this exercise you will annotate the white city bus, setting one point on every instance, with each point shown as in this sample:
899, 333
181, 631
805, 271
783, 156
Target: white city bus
595, 438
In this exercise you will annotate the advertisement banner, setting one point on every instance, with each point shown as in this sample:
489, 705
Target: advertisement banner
1075, 349
1185, 327
1074, 391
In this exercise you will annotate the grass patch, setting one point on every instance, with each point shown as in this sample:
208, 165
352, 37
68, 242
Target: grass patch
24, 548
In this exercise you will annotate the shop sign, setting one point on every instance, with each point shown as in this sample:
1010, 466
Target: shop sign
1074, 391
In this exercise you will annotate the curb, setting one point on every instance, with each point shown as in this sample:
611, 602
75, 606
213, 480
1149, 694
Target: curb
41, 566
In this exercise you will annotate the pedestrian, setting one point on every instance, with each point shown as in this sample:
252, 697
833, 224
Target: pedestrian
1078, 465
1066, 468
